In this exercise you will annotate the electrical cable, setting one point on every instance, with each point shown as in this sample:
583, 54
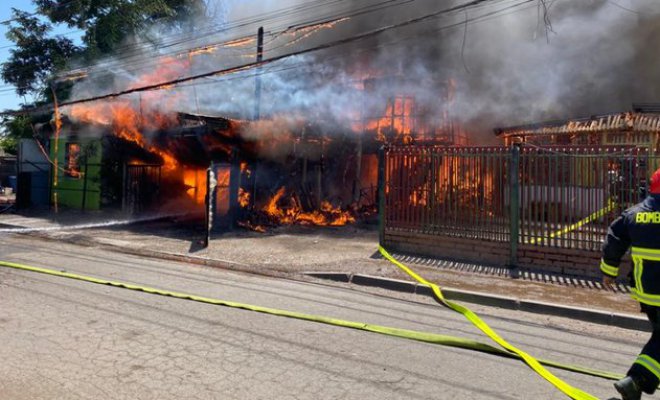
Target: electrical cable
358, 37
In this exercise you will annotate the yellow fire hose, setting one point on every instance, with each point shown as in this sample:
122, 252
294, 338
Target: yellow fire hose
598, 214
569, 390
445, 340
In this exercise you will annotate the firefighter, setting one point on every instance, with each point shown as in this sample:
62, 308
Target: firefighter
639, 227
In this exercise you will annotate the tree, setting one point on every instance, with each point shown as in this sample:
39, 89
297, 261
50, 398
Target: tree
36, 56
15, 128
107, 24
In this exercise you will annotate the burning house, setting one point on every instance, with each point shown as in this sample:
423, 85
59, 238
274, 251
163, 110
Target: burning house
109, 163
280, 169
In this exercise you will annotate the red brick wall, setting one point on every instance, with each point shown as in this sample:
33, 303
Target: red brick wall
550, 259
446, 247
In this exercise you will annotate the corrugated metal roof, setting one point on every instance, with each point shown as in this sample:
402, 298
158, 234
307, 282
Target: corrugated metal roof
627, 121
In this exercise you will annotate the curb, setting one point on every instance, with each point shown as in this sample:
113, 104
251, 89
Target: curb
161, 255
626, 321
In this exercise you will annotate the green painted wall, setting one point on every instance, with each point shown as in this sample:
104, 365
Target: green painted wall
70, 191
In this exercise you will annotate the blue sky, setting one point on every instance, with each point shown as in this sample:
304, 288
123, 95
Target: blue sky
9, 99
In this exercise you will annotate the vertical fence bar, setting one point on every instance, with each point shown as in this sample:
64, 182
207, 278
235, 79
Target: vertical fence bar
84, 191
514, 203
403, 188
381, 196
523, 198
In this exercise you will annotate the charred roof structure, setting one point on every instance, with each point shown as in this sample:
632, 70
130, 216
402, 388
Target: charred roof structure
639, 127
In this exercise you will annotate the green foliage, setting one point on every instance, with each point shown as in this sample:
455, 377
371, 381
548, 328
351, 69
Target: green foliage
107, 25
13, 129
36, 55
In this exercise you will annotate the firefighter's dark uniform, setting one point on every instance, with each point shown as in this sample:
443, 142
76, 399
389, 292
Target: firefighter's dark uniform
638, 228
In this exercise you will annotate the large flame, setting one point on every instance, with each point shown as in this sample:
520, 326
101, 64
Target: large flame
291, 212
127, 123
398, 120
195, 182
130, 119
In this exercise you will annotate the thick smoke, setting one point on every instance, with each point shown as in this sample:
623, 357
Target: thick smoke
594, 60
507, 66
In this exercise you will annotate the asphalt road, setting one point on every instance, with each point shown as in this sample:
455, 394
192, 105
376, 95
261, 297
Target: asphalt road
66, 339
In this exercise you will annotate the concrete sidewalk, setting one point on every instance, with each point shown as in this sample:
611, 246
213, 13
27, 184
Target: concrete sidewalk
347, 254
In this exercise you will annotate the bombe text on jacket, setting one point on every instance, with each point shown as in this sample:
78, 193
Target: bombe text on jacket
648, 217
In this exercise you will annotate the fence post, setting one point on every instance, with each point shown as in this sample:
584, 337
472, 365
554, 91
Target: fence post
84, 193
381, 195
234, 186
209, 202
124, 190
514, 204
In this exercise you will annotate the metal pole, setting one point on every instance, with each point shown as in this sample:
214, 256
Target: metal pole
514, 204
124, 191
257, 107
84, 194
255, 176
381, 195
208, 214
358, 159
210, 199
257, 88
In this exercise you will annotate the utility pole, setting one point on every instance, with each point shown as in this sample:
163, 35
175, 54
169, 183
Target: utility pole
257, 86
257, 106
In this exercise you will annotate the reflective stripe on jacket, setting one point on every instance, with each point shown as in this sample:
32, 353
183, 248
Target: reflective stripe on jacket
637, 228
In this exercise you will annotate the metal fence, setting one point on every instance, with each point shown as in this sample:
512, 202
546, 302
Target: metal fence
569, 195
455, 191
34, 184
562, 197
141, 187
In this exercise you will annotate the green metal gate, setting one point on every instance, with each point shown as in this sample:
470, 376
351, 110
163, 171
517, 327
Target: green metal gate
546, 197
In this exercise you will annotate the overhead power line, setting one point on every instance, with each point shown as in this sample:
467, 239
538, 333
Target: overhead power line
125, 59
400, 41
287, 12
248, 66
129, 52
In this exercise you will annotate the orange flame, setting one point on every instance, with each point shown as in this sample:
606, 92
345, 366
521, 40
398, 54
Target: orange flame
245, 170
293, 214
243, 197
195, 181
399, 119
307, 31
252, 227
239, 42
127, 124
72, 76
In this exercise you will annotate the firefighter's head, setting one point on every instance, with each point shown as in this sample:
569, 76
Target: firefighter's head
654, 185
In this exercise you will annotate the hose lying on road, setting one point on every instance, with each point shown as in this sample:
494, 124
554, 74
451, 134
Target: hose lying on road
427, 337
567, 389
